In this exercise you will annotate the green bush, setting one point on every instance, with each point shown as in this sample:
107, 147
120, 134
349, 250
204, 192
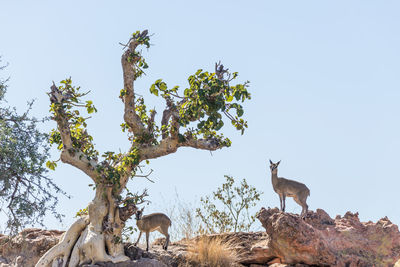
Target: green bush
234, 215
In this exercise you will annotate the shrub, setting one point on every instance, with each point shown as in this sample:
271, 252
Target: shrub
213, 252
234, 215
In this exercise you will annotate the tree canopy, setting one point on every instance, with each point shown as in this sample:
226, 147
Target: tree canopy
192, 118
26, 191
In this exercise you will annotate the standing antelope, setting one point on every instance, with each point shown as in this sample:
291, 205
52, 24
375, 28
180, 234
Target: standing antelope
289, 188
150, 223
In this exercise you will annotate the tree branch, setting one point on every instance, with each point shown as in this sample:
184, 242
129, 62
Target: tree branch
206, 144
164, 122
128, 60
130, 205
70, 154
170, 112
150, 123
170, 145
145, 176
166, 146
14, 192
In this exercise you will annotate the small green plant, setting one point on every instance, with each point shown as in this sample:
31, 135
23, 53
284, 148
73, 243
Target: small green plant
236, 202
82, 212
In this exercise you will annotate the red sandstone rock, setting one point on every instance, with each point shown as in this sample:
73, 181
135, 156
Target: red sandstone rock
26, 248
320, 240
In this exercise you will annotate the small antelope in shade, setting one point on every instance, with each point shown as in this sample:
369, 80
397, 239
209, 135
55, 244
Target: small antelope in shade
150, 223
289, 188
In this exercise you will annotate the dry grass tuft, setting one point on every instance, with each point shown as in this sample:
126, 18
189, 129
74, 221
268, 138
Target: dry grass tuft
213, 252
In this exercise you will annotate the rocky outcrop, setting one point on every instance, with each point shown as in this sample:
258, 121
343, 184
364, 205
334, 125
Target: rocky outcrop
26, 248
318, 240
323, 241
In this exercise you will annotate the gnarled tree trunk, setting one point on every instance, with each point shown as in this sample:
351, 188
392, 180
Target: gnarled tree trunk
95, 237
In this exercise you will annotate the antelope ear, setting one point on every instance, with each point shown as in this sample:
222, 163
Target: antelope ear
278, 163
270, 161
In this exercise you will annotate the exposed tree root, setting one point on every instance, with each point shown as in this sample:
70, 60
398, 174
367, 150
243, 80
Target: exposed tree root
61, 251
81, 244
93, 238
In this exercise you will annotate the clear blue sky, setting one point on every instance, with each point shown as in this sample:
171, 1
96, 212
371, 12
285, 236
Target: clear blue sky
324, 80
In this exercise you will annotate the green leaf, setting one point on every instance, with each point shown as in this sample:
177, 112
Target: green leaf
163, 86
51, 165
239, 111
154, 90
181, 138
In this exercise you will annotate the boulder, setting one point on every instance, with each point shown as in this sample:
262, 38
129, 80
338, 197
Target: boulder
26, 248
323, 241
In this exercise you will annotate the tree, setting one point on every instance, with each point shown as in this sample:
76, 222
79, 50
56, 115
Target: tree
26, 192
234, 215
189, 120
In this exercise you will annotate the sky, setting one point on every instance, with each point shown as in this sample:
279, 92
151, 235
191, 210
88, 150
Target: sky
323, 78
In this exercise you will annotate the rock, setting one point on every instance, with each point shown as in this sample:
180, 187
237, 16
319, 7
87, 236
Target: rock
174, 256
250, 248
320, 240
288, 241
145, 262
26, 248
